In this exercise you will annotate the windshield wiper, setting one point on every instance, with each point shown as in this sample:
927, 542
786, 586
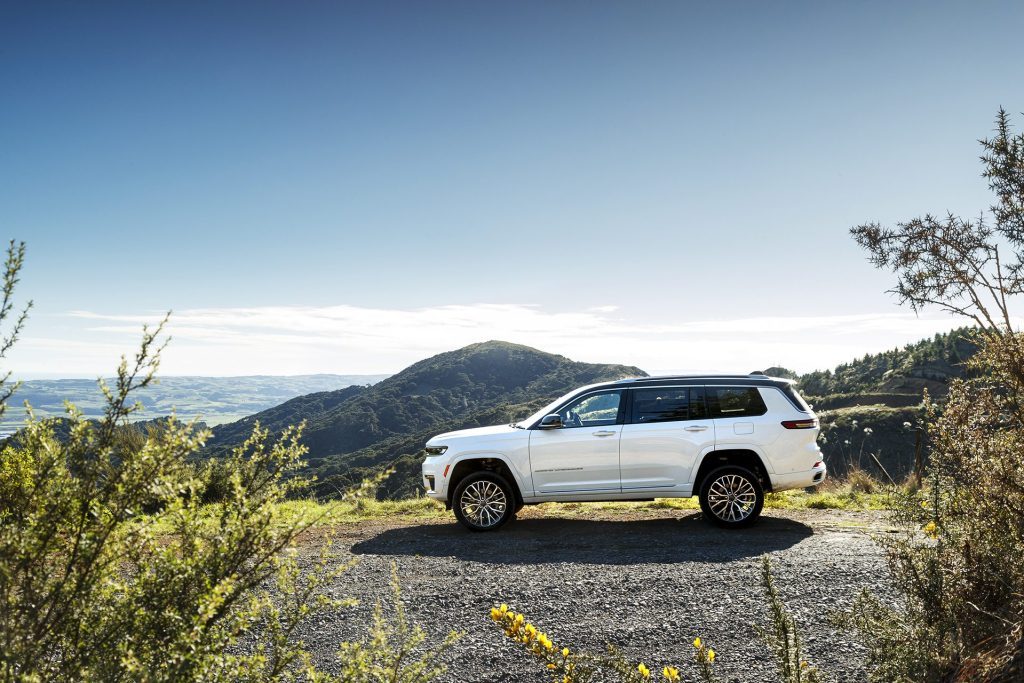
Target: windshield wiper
516, 425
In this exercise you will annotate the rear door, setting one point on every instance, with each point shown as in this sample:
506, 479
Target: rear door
741, 417
582, 457
666, 431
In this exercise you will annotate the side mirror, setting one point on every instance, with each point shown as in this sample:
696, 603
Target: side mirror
552, 421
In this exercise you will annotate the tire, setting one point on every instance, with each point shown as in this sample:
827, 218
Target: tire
731, 497
484, 501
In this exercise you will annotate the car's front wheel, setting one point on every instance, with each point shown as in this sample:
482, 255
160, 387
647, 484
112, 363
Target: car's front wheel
484, 501
731, 497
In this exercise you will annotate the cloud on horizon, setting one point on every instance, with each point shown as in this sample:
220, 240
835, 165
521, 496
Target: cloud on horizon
352, 339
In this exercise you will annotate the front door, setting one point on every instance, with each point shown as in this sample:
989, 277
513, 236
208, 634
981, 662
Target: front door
666, 432
582, 456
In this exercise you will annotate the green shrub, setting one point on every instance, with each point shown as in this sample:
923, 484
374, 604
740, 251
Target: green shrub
112, 569
958, 560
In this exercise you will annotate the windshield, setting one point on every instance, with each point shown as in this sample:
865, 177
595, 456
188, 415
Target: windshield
550, 408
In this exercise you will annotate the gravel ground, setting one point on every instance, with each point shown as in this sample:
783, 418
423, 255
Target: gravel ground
648, 581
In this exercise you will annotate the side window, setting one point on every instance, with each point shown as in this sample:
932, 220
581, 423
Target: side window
593, 410
735, 402
670, 404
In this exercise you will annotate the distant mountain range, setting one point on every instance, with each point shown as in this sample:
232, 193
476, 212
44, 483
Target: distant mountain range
214, 400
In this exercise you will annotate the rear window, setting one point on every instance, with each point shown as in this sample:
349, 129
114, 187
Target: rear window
735, 402
668, 404
794, 396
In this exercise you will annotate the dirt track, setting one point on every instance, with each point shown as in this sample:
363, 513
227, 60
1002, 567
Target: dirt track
649, 582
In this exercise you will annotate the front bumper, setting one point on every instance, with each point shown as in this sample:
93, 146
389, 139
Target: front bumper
434, 481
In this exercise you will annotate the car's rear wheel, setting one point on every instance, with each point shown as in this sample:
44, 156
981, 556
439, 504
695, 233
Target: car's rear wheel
484, 501
732, 497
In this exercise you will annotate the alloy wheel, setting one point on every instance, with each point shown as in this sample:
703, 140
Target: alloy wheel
483, 503
732, 497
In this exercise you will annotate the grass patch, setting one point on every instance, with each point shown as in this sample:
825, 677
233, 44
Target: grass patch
291, 512
834, 495
361, 509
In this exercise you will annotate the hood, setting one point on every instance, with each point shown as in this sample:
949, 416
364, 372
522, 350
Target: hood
478, 431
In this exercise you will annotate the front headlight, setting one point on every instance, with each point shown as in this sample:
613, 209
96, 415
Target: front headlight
436, 450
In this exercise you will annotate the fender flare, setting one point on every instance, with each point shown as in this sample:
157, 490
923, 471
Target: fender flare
486, 455
711, 450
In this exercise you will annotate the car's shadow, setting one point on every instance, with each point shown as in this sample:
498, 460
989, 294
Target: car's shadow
638, 541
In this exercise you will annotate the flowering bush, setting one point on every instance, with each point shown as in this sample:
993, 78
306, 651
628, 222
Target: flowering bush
570, 666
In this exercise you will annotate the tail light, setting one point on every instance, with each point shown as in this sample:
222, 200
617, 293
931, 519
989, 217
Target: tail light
800, 424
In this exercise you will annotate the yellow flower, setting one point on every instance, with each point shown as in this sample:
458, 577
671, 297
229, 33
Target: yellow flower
552, 667
803, 665
671, 673
644, 671
495, 614
924, 504
565, 652
711, 655
566, 680
696, 642
930, 529
503, 609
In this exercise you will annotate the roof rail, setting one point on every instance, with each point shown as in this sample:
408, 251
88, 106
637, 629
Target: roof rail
705, 375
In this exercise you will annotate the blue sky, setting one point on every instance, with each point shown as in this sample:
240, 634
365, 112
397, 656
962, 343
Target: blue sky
347, 187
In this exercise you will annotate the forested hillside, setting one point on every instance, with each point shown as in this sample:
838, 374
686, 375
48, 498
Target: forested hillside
357, 430
927, 364
872, 405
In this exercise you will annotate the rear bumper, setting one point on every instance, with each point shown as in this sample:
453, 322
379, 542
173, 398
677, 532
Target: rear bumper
800, 480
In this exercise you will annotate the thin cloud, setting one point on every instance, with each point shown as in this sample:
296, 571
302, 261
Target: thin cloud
351, 339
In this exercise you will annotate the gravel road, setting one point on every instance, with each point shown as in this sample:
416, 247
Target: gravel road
648, 581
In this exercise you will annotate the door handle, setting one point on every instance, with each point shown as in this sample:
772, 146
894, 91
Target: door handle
604, 432
696, 428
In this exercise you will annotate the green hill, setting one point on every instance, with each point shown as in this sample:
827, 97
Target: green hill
359, 429
927, 364
866, 405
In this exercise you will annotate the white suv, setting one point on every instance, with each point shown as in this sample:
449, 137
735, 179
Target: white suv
726, 438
